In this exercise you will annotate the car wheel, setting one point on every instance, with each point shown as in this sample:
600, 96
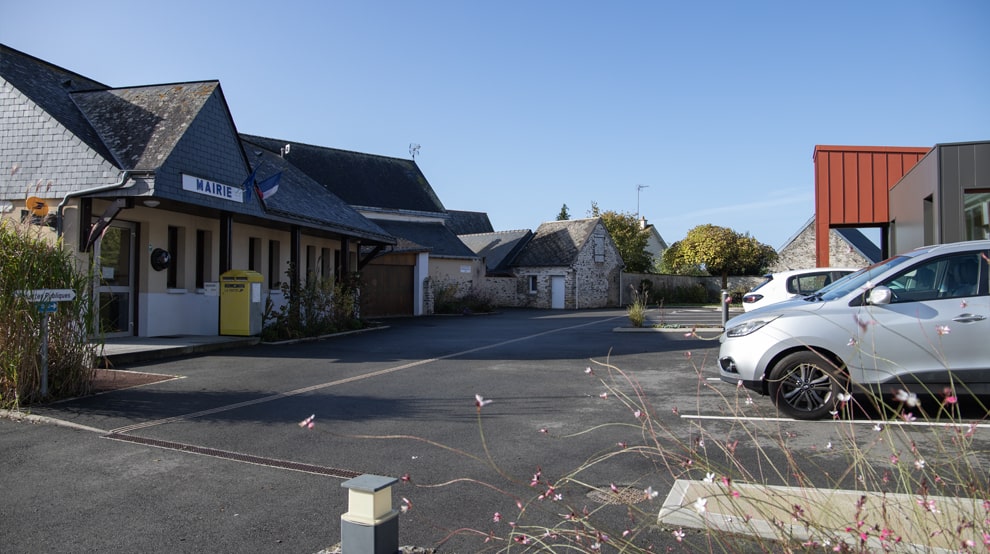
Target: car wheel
804, 385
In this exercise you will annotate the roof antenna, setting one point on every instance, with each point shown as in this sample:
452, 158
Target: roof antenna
638, 189
413, 150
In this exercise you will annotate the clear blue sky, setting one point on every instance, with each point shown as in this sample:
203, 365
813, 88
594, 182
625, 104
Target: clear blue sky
522, 106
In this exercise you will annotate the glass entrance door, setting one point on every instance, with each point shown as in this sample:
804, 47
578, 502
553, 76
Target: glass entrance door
116, 280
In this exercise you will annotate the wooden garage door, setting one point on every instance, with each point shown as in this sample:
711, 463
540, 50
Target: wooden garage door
386, 290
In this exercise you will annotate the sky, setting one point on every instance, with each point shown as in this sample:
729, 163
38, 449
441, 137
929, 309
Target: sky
685, 113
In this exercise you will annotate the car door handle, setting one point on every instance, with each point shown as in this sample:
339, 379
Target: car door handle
968, 318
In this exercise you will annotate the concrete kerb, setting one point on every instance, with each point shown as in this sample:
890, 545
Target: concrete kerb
329, 336
681, 329
768, 511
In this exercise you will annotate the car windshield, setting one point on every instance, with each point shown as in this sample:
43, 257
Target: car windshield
858, 280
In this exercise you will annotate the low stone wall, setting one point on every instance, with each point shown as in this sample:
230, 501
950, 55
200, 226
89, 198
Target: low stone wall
713, 285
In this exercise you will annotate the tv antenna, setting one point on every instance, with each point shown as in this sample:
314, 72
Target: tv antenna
638, 189
413, 150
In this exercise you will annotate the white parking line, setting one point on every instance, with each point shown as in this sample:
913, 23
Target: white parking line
862, 422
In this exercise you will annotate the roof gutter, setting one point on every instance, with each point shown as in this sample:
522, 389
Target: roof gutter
120, 184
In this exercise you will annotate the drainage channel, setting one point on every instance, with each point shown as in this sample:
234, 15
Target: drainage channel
238, 457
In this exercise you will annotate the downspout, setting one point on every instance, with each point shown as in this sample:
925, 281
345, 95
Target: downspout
124, 177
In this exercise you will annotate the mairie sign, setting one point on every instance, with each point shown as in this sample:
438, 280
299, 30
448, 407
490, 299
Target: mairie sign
212, 188
48, 295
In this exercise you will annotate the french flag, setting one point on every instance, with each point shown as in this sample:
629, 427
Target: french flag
267, 188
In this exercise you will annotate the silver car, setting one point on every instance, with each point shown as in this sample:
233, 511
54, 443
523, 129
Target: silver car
915, 322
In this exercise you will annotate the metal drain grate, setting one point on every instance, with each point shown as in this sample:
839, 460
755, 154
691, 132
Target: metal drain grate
624, 495
238, 457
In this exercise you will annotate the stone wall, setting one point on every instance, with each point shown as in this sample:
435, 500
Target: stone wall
800, 252
713, 285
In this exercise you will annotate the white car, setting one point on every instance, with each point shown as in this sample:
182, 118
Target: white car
917, 322
791, 284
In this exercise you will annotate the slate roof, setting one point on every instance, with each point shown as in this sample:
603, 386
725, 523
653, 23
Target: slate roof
142, 125
556, 243
47, 86
299, 197
499, 249
469, 223
361, 180
440, 240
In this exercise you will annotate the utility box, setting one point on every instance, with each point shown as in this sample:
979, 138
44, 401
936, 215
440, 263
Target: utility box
241, 308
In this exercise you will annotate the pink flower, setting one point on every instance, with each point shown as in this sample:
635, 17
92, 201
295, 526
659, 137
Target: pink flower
909, 398
589, 371
919, 464
949, 397
637, 414
308, 422
942, 329
603, 395
928, 505
406, 505
479, 401
679, 535
497, 517
650, 493
908, 417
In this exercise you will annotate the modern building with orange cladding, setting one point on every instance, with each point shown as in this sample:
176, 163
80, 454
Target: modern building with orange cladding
916, 196
852, 186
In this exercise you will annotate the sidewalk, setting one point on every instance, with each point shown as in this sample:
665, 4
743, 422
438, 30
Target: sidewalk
129, 350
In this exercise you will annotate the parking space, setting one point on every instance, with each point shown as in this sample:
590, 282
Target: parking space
217, 457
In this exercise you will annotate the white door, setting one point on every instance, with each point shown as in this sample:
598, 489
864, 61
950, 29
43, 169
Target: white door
557, 292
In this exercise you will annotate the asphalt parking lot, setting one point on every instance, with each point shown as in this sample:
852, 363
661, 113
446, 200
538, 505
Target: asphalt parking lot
214, 460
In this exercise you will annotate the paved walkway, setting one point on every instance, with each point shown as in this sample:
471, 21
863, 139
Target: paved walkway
128, 350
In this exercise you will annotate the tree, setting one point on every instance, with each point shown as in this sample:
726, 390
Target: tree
720, 251
629, 237
564, 215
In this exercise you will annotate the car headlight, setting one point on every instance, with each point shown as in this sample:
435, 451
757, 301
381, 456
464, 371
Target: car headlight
748, 327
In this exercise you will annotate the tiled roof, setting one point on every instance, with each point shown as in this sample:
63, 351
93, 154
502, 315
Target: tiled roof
499, 249
299, 197
47, 86
469, 223
142, 125
556, 243
436, 236
361, 180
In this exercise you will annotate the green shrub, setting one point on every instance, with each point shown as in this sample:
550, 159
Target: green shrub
319, 307
30, 260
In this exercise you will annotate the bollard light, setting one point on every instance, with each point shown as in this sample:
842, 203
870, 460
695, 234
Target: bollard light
371, 525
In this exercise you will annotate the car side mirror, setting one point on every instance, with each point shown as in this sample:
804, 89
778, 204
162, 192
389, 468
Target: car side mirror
880, 296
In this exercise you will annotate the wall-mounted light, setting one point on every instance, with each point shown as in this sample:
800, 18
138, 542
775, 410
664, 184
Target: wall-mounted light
151, 203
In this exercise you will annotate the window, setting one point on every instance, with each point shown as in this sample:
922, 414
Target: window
274, 257
204, 257
976, 211
928, 215
599, 245
326, 269
311, 274
956, 276
173, 275
532, 284
254, 254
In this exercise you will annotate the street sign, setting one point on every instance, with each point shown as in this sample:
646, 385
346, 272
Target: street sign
48, 295
47, 307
